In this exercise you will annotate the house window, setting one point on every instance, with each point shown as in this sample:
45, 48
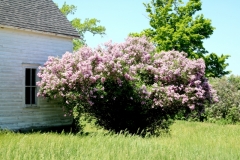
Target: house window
30, 86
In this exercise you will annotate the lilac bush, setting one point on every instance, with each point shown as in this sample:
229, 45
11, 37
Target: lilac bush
126, 85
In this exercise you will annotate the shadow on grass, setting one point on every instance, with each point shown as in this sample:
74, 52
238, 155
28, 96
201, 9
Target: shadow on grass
69, 130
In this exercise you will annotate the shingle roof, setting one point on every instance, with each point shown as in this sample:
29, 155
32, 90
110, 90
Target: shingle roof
38, 15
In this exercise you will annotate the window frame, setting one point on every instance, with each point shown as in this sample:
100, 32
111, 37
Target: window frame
30, 66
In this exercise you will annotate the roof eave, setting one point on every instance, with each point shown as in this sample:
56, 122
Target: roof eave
41, 32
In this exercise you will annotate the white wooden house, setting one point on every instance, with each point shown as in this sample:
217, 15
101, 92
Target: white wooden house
30, 31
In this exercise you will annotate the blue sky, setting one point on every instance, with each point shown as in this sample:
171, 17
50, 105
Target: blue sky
125, 16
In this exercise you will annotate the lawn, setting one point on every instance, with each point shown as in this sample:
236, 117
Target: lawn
187, 140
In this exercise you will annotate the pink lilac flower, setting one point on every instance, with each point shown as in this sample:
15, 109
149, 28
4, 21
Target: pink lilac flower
172, 78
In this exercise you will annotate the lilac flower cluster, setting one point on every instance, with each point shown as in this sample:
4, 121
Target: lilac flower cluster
169, 79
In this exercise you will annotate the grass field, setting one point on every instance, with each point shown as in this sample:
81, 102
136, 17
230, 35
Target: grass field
187, 141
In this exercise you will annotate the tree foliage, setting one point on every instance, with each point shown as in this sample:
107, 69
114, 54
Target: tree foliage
176, 26
227, 110
88, 25
126, 86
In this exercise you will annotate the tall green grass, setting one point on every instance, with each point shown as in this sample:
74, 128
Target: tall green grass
187, 140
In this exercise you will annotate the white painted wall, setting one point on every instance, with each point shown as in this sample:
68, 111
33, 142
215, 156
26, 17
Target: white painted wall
16, 49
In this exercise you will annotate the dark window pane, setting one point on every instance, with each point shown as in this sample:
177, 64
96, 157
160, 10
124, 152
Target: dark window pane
30, 81
28, 77
33, 77
27, 95
33, 95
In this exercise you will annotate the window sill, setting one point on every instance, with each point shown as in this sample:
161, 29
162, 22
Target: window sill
32, 106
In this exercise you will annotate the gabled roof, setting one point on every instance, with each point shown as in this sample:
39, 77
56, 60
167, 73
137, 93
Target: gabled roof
36, 15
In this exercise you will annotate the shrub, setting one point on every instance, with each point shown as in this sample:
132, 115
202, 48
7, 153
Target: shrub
126, 86
227, 109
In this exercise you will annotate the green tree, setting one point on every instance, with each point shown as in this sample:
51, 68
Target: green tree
88, 25
175, 25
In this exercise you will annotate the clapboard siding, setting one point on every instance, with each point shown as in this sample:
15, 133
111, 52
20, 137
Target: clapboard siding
19, 47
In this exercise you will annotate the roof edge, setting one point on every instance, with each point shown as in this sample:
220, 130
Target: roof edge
35, 31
